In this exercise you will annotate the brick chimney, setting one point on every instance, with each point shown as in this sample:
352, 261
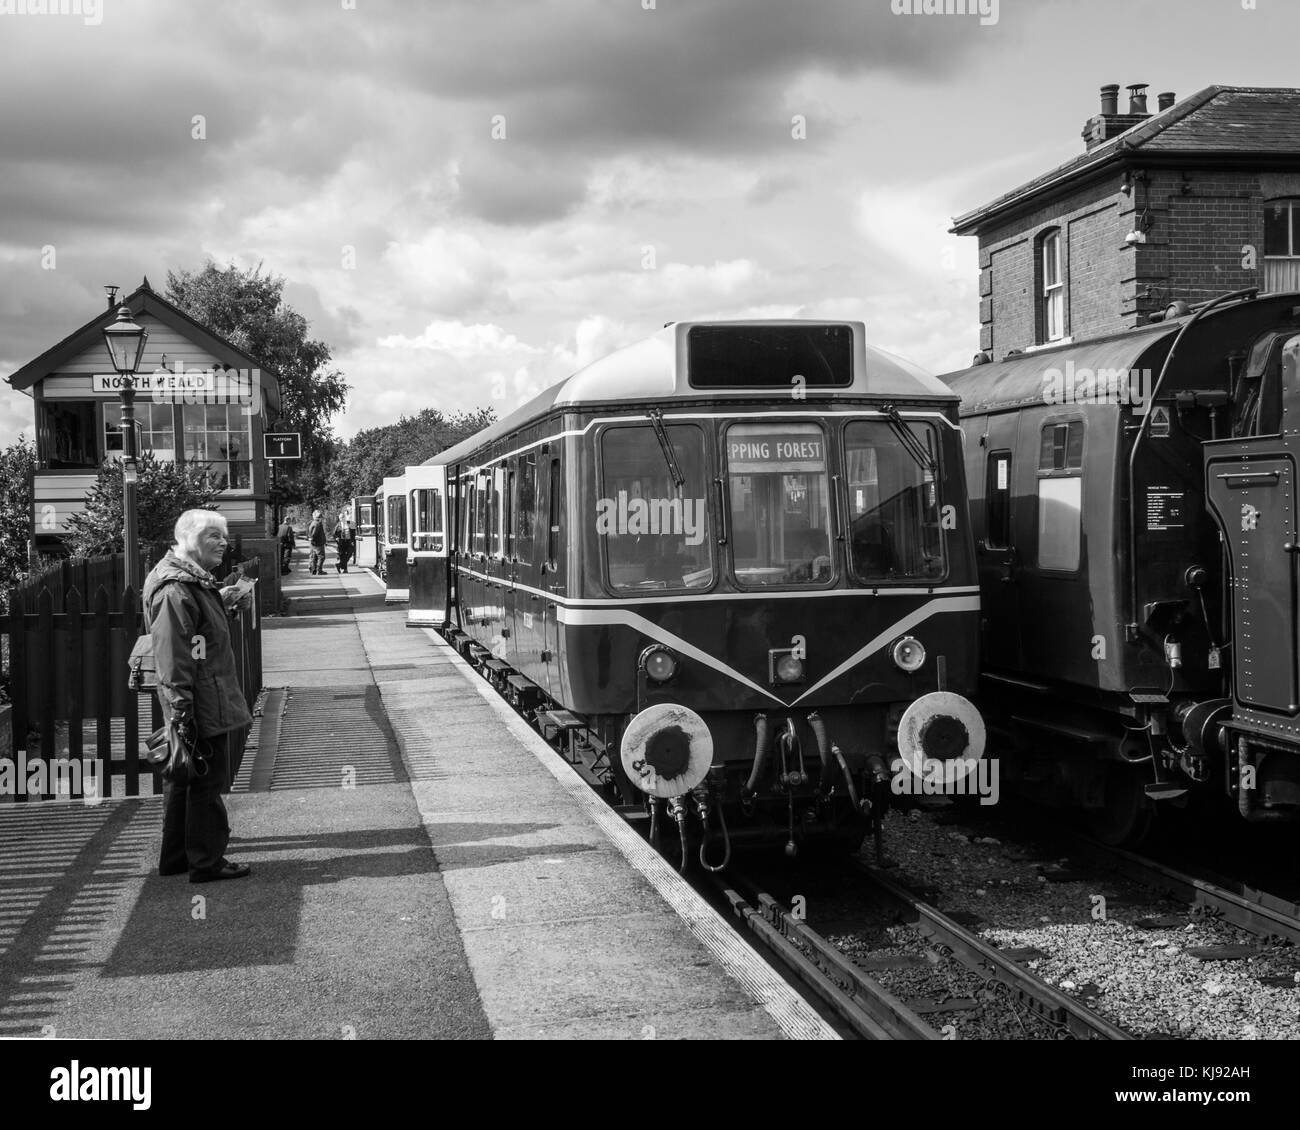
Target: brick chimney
1110, 122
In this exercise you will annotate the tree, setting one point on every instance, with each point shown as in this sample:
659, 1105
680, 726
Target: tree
17, 464
358, 467
247, 308
163, 491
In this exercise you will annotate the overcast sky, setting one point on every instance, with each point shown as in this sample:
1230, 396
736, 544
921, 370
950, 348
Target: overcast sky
528, 184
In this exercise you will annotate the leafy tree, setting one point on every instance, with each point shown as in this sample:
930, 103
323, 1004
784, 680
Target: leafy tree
17, 463
359, 466
163, 490
247, 308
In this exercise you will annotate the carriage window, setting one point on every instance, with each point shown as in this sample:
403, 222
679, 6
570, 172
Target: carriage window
494, 514
466, 514
480, 497
780, 503
655, 533
526, 508
427, 534
553, 515
893, 504
366, 519
1060, 496
997, 501
509, 524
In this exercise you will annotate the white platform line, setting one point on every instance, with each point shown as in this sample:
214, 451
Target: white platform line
792, 1014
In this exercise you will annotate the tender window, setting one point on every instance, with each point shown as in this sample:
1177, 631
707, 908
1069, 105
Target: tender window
655, 532
780, 503
894, 530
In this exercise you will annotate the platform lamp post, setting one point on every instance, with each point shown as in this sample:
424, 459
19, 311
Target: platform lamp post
125, 341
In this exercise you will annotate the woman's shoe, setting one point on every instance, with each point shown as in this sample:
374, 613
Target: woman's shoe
224, 870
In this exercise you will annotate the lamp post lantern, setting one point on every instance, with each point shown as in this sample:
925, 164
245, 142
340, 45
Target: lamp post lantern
125, 341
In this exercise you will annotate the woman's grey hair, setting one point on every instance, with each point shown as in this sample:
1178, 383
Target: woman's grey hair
193, 522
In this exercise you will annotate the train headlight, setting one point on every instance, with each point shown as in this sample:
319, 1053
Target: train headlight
659, 663
785, 666
908, 654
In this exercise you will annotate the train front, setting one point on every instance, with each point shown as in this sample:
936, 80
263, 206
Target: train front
787, 598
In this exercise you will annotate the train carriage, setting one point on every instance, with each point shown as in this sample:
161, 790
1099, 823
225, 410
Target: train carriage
426, 518
732, 555
1121, 644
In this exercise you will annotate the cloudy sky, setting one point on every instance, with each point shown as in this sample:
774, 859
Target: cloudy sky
527, 184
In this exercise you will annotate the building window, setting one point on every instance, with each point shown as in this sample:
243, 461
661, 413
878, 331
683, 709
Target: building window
1060, 496
220, 436
157, 430
66, 435
1050, 289
1282, 245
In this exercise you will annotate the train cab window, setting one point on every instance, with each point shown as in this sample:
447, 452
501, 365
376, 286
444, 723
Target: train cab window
427, 532
780, 503
1258, 396
997, 501
395, 527
526, 508
654, 533
1060, 496
894, 512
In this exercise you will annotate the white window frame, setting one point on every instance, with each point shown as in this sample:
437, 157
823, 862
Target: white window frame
1053, 293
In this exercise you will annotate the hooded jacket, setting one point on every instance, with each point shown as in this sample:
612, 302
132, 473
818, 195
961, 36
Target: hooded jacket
185, 615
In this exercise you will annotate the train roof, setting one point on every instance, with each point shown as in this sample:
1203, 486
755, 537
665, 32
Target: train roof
1024, 378
658, 368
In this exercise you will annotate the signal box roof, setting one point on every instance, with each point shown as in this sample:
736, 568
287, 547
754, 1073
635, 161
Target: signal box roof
727, 360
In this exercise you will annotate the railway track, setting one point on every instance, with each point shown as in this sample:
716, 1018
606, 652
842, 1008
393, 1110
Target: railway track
868, 1009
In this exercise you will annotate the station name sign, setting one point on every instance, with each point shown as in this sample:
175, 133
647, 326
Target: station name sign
161, 383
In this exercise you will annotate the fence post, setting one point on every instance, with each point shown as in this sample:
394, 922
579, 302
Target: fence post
76, 684
103, 692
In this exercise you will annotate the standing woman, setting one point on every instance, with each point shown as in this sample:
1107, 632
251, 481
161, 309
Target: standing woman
186, 613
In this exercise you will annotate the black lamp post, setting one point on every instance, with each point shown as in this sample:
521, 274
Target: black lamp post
125, 341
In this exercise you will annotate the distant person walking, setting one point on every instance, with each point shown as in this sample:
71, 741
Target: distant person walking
187, 614
345, 540
287, 542
316, 539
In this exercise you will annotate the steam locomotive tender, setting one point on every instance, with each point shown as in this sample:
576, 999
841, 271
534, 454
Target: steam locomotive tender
723, 562
1134, 506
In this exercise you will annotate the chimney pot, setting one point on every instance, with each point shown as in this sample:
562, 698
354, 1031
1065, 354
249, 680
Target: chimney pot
1167, 99
1137, 98
1110, 98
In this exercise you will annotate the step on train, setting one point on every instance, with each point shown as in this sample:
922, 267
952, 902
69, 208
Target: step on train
729, 570
1133, 501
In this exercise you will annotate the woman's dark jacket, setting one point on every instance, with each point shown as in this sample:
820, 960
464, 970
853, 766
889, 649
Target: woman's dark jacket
184, 613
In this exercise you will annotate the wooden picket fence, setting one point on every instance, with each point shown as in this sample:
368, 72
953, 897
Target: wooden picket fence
68, 682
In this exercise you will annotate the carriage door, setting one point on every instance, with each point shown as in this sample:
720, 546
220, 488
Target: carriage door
1250, 487
551, 545
999, 561
426, 520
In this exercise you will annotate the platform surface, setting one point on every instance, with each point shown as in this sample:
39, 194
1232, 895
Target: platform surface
424, 866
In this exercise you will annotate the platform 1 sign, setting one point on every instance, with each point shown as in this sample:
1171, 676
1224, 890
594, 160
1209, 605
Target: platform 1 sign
282, 445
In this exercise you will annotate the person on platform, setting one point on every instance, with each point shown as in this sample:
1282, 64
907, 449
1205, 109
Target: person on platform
345, 541
187, 615
287, 540
317, 540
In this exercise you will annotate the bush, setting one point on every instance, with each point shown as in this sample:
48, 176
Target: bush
163, 491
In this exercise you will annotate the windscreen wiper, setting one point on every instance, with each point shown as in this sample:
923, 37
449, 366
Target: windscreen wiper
907, 438
657, 422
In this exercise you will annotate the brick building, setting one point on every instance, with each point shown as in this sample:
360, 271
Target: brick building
1199, 198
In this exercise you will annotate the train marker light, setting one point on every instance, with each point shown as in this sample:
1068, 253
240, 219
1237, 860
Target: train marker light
784, 666
908, 654
659, 663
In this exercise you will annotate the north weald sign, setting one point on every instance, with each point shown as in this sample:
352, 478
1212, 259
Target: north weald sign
282, 445
159, 383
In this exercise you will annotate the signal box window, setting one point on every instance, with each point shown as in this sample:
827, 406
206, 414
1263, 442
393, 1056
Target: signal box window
1060, 496
655, 534
893, 504
427, 534
997, 501
66, 436
780, 503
